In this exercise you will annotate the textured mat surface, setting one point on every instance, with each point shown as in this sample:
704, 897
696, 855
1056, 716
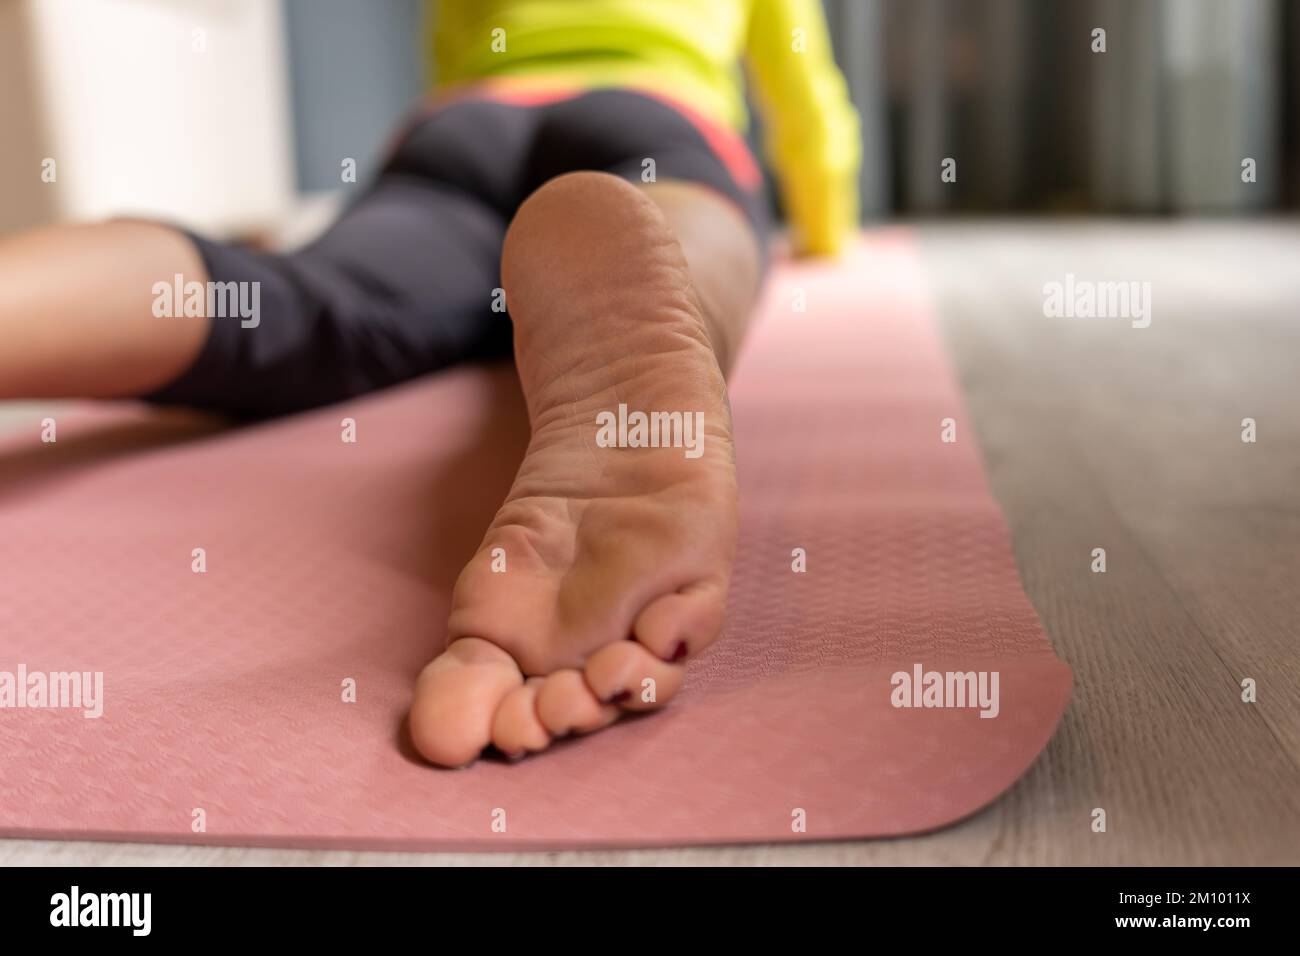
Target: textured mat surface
329, 562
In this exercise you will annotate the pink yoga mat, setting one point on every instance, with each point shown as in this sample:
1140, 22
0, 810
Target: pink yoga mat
327, 562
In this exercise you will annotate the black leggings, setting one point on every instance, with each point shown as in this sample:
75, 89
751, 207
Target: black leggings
404, 282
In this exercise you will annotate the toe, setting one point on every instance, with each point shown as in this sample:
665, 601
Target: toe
682, 623
517, 729
565, 704
457, 696
627, 674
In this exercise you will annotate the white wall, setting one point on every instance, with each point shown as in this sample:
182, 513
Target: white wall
169, 108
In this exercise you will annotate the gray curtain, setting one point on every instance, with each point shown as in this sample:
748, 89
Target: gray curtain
354, 67
1012, 90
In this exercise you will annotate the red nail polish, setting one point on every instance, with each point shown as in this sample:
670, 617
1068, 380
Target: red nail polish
679, 652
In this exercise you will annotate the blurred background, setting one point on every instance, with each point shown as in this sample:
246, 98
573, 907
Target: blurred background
225, 114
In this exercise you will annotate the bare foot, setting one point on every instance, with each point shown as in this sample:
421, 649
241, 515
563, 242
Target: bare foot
616, 559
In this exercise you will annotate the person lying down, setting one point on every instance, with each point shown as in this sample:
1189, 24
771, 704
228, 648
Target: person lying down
582, 164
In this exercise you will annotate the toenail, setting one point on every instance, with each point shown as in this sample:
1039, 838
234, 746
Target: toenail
679, 652
620, 697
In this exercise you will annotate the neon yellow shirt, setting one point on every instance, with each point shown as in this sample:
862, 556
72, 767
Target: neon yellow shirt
689, 50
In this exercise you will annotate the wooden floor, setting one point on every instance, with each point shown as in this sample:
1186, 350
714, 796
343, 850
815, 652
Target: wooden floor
1096, 435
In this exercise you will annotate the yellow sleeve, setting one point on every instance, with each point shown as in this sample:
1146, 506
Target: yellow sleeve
811, 128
